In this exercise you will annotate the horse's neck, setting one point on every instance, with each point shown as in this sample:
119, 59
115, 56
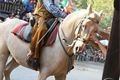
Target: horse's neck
66, 32
69, 25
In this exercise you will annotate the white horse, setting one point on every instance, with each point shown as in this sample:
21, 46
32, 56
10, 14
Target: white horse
55, 60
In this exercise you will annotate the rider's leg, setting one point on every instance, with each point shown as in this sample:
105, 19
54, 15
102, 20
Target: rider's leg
34, 46
40, 31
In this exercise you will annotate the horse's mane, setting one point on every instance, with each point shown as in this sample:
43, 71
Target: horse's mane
74, 18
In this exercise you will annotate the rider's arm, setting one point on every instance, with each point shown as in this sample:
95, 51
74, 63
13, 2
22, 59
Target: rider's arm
104, 34
94, 41
54, 9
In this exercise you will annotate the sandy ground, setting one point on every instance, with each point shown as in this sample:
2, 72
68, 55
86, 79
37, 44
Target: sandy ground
82, 71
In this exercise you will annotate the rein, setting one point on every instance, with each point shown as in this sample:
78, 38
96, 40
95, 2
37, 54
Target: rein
70, 57
80, 25
51, 27
63, 45
70, 46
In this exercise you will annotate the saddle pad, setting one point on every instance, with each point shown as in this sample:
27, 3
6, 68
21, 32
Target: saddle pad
23, 31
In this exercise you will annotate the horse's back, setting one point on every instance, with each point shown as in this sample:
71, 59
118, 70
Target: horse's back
7, 26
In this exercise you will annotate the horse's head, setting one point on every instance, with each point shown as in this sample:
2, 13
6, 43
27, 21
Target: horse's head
87, 26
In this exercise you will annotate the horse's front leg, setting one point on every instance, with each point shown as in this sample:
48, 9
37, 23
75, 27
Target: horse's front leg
44, 74
4, 53
9, 68
60, 77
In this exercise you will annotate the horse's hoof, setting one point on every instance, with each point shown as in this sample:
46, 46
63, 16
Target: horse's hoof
33, 63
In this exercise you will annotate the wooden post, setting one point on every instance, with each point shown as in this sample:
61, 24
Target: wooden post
112, 63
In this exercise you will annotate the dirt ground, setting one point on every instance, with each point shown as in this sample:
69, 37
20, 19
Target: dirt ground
82, 71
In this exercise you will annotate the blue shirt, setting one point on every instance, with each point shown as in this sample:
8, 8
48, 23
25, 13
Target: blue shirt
29, 7
54, 9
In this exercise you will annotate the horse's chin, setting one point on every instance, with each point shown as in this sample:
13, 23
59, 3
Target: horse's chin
76, 52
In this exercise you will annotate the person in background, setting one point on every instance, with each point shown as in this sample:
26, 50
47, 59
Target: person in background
1, 0
68, 6
25, 12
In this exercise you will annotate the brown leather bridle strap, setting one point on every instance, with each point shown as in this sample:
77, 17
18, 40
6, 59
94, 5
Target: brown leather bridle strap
63, 45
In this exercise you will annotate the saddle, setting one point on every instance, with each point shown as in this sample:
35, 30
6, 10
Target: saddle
24, 32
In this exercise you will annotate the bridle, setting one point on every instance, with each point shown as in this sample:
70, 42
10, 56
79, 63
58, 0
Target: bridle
80, 26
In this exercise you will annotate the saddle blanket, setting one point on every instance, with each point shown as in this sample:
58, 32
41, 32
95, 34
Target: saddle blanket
23, 31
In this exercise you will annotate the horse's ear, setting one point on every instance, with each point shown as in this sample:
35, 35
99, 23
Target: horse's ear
101, 13
89, 9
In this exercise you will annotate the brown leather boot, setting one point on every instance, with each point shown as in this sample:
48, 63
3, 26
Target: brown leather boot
33, 62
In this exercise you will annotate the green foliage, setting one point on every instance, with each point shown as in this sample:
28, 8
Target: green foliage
105, 5
106, 22
81, 3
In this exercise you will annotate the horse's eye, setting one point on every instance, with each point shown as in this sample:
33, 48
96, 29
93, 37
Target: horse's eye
84, 41
89, 18
97, 22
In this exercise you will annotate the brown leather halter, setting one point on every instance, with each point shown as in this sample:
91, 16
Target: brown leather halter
77, 37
